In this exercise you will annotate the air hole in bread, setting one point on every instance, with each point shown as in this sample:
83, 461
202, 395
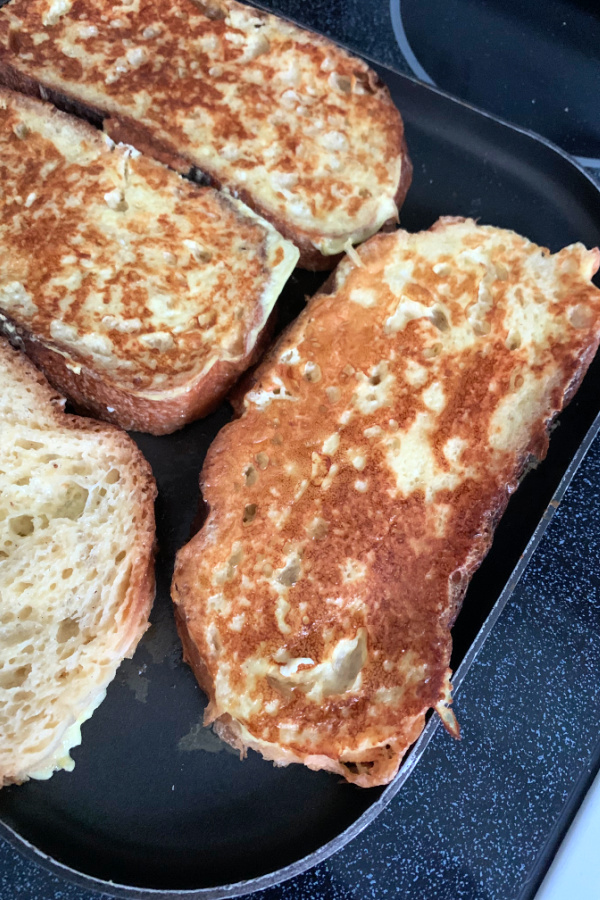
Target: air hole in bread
249, 513
439, 319
236, 556
433, 351
25, 613
516, 381
340, 83
68, 629
250, 476
214, 640
262, 459
312, 372
513, 341
481, 328
364, 81
22, 525
120, 556
318, 529
291, 573
113, 476
23, 697
14, 678
28, 445
74, 502
211, 12
66, 573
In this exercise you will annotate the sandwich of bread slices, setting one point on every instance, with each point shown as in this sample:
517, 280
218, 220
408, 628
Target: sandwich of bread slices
76, 567
140, 295
352, 500
296, 127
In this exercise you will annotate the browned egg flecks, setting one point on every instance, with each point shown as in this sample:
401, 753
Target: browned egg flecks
353, 499
300, 129
121, 265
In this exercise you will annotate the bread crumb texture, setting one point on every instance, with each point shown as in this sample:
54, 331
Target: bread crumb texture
119, 264
266, 108
358, 492
76, 584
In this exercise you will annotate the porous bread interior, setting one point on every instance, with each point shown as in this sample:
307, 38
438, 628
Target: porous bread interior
70, 519
147, 279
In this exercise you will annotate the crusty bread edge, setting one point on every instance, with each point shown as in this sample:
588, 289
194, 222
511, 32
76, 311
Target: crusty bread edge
141, 587
91, 393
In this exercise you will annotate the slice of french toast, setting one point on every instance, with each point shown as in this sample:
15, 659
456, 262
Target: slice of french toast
296, 127
353, 499
141, 295
76, 567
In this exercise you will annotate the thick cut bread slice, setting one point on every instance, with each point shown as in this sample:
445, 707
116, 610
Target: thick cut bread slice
76, 567
141, 296
354, 498
293, 125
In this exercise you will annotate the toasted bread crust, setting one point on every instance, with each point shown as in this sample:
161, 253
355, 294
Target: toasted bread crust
14, 80
173, 145
352, 500
92, 394
135, 607
193, 373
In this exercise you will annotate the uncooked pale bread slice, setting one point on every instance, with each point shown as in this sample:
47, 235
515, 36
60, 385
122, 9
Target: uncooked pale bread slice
358, 492
76, 567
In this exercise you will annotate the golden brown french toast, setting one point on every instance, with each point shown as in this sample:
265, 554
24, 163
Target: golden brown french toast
141, 295
353, 499
297, 128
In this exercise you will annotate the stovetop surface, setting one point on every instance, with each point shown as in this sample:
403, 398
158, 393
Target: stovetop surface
529, 707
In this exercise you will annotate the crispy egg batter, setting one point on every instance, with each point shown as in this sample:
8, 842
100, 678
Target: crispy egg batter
283, 117
358, 491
